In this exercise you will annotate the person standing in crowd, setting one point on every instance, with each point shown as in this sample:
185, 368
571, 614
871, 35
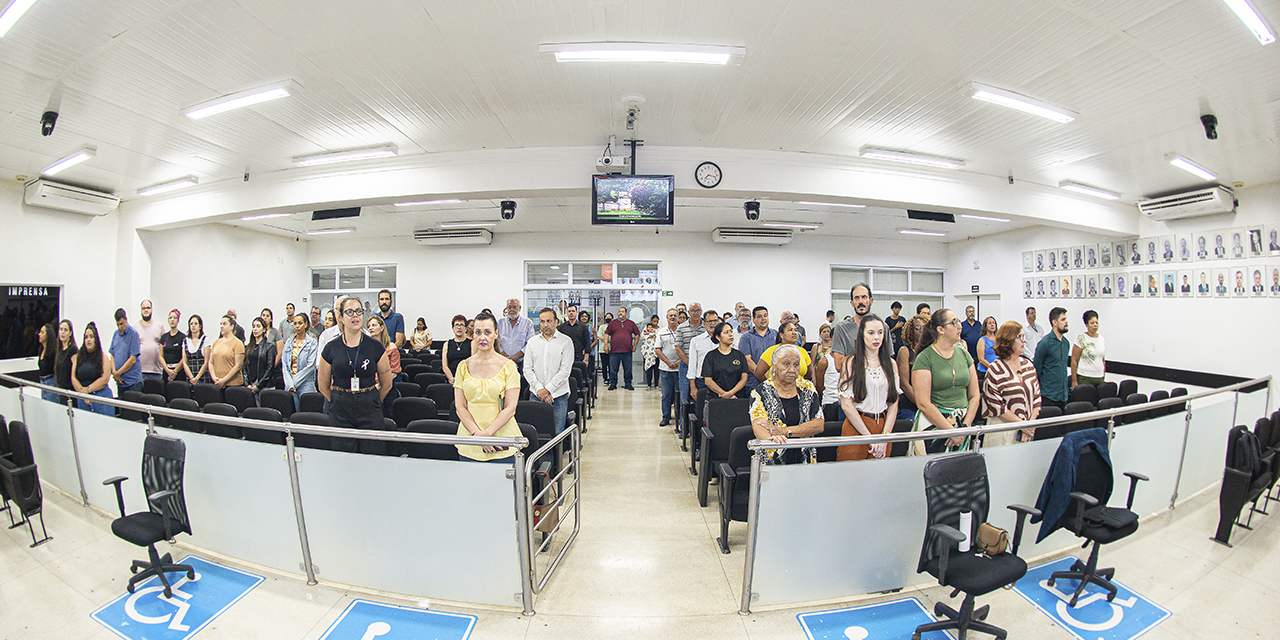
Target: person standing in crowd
195, 363
126, 347
894, 325
754, 343
724, 368
1032, 334
299, 363
259, 357
93, 369
743, 327
1088, 354
804, 334
923, 307
825, 376
602, 346
377, 329
686, 331
868, 390
226, 356
579, 333
171, 343
486, 391
354, 375
330, 320
648, 337
420, 341
905, 359
236, 329
1011, 391
946, 384
668, 365
548, 362
787, 334
286, 323
790, 317
699, 347
332, 329
392, 320
820, 348
1053, 355
986, 348
315, 324
149, 333
786, 406
624, 339
64, 365
272, 335
971, 331
844, 335
831, 317
48, 361
456, 349
514, 332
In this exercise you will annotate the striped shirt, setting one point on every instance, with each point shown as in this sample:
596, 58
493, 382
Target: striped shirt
1003, 392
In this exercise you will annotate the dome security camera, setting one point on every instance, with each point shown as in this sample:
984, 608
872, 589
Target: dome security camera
1210, 123
47, 121
508, 209
752, 208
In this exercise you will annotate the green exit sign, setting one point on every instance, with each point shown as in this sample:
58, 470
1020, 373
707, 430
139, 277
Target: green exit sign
668, 293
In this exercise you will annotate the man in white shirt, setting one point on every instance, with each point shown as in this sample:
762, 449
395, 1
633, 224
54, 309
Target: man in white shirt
514, 332
548, 357
699, 347
1033, 333
668, 365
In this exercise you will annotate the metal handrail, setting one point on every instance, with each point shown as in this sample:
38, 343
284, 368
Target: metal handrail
834, 441
285, 427
573, 433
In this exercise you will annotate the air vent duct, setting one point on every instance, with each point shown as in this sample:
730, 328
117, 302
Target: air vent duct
53, 195
334, 214
731, 235
431, 237
1201, 202
930, 215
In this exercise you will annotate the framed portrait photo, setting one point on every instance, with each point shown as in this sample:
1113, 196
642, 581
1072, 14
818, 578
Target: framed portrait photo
1064, 259
1120, 251
1238, 242
1238, 280
1065, 283
1108, 285
1137, 286
1027, 291
1183, 243
1273, 280
1167, 249
1028, 261
1218, 244
1077, 257
1220, 282
1203, 282
1122, 282
1040, 265
1257, 248
1040, 290
1091, 256
1186, 288
1257, 281
1104, 255
1272, 239
1077, 286
1200, 246
1152, 284
1168, 284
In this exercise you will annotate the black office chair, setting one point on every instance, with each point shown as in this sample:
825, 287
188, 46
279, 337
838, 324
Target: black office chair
311, 402
1127, 388
21, 481
163, 459
723, 416
1108, 390
278, 399
306, 440
218, 429
735, 483
425, 380
130, 414
1136, 399
177, 389
204, 393
185, 424
426, 450
156, 400
953, 484
239, 397
1083, 393
153, 385
266, 436
442, 395
408, 409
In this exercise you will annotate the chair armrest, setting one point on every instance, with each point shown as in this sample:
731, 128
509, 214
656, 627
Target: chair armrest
1134, 477
1023, 511
950, 537
157, 500
707, 435
727, 471
1082, 502
119, 493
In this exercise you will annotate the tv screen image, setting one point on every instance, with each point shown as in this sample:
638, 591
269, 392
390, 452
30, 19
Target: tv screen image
643, 200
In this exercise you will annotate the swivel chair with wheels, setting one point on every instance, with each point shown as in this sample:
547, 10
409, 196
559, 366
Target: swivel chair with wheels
162, 464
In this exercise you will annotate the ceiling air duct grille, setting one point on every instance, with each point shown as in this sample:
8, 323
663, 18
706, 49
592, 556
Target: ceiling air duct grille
731, 235
453, 236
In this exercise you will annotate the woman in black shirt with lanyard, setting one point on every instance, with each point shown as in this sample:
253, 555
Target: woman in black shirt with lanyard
171, 343
354, 375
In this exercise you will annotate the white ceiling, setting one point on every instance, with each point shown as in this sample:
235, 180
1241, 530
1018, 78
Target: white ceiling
819, 76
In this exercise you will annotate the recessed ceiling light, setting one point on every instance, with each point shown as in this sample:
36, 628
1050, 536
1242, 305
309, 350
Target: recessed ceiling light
1190, 167
1246, 13
468, 225
909, 157
325, 232
239, 99
1088, 190
806, 226
987, 218
11, 15
265, 216
832, 204
363, 153
185, 181
918, 232
422, 202
70, 161
1025, 104
641, 52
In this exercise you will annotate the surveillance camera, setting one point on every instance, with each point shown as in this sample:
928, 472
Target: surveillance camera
752, 208
1210, 123
47, 121
508, 209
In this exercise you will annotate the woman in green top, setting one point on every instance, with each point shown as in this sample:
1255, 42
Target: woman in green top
949, 375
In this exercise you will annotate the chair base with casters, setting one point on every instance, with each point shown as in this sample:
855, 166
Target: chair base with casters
157, 566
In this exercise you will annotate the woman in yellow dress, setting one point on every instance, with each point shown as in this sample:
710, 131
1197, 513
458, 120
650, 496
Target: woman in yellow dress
486, 389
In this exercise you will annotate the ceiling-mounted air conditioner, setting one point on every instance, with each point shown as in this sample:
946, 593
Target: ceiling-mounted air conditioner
1201, 202
453, 236
732, 235
43, 193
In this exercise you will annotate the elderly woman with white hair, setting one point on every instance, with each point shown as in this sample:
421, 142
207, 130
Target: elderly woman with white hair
786, 406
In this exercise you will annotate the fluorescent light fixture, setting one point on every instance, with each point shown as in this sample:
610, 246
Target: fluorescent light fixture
70, 161
805, 226
556, 267
11, 15
1088, 190
1020, 102
325, 232
241, 99
918, 232
185, 181
1246, 13
832, 204
422, 202
468, 225
1190, 167
910, 157
987, 218
641, 52
265, 216
380, 151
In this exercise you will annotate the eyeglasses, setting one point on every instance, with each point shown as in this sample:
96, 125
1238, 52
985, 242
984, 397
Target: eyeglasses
352, 313
954, 321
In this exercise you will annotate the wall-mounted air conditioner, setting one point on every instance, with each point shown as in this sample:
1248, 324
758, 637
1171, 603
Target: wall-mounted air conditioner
732, 235
453, 236
1201, 202
53, 195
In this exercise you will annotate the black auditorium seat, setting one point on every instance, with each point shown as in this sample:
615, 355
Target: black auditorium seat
239, 397
21, 481
408, 409
1083, 393
278, 399
309, 441
311, 402
185, 424
723, 416
266, 414
177, 389
204, 393
153, 385
442, 395
427, 450
218, 429
735, 483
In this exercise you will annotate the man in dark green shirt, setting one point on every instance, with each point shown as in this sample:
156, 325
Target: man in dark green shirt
1053, 357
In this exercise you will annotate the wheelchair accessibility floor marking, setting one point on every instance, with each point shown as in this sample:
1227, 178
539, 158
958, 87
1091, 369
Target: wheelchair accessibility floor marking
146, 614
368, 620
1126, 617
880, 621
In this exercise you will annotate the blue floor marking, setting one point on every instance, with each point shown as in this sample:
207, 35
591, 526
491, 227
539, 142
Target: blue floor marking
367, 620
1130, 615
881, 621
147, 615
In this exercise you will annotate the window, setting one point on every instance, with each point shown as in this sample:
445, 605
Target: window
594, 287
362, 281
910, 287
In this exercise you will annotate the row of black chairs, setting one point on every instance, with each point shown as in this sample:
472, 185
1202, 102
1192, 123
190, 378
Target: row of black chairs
20, 479
1252, 469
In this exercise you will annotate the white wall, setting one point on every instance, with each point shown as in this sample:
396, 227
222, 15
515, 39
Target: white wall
438, 282
1229, 336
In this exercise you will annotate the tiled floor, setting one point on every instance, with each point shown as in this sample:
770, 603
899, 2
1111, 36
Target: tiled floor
645, 564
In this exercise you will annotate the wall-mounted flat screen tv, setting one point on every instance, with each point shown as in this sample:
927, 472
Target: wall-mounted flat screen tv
638, 200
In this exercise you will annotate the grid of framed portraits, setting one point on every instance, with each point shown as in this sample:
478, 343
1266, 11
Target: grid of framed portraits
1222, 263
